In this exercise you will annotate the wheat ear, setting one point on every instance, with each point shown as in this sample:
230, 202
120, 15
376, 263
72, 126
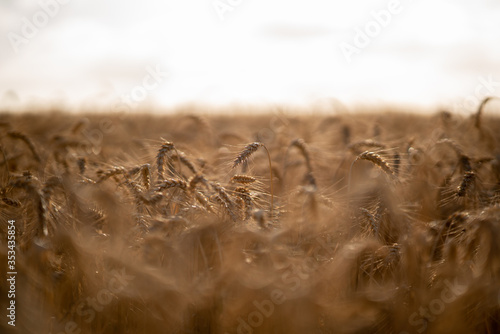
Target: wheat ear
27, 141
171, 183
194, 180
243, 179
374, 158
375, 224
38, 199
11, 202
368, 143
183, 159
223, 198
160, 157
81, 163
467, 180
244, 194
302, 146
104, 175
145, 171
246, 153
202, 199
377, 160
163, 152
146, 175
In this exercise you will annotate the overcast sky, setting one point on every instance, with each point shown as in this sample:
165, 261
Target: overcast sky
94, 52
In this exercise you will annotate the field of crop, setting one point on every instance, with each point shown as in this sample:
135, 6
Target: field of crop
276, 223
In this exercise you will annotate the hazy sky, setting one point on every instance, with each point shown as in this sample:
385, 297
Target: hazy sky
432, 53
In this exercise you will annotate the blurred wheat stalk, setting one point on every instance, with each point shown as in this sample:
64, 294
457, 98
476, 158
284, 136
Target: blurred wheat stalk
382, 223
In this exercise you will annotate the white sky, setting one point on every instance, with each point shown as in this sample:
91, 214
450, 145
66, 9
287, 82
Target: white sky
264, 51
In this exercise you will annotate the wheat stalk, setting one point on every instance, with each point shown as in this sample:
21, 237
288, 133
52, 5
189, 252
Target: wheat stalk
477, 117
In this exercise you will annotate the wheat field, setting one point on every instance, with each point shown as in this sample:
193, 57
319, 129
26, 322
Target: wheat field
382, 222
